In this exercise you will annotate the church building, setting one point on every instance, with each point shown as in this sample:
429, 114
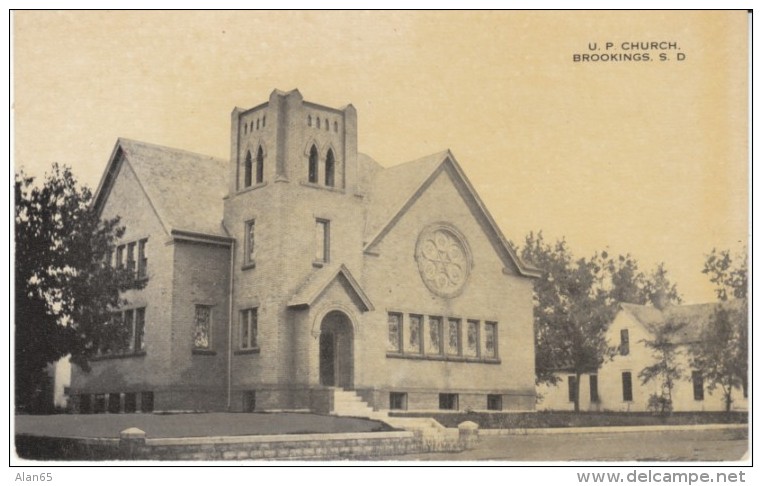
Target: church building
299, 268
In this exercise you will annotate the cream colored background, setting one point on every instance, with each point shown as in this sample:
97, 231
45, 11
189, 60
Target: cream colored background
648, 158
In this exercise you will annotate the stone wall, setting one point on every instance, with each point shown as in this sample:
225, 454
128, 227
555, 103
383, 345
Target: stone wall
305, 446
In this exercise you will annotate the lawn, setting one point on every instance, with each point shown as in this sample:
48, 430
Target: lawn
192, 424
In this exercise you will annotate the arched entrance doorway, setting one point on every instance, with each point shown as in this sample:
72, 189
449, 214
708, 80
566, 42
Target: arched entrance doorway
336, 350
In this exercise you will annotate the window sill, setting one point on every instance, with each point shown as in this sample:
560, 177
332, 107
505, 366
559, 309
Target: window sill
239, 352
248, 266
204, 352
252, 188
440, 357
316, 185
318, 263
118, 356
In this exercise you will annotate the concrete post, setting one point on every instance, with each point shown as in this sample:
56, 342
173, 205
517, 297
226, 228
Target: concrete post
132, 441
468, 434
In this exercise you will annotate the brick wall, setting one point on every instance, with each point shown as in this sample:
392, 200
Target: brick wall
151, 370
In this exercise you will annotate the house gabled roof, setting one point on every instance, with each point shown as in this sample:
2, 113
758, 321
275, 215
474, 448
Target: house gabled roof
185, 189
394, 190
319, 281
695, 317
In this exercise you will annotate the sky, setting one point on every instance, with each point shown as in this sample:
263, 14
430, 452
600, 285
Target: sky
643, 157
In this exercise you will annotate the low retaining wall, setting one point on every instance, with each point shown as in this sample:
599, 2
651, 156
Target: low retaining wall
306, 446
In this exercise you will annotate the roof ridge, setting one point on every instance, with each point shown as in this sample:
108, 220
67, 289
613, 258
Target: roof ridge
131, 141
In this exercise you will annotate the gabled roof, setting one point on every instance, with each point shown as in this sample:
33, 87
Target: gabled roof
695, 317
319, 281
395, 189
185, 189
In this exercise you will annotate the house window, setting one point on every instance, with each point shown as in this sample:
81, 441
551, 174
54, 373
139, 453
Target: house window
142, 260
490, 339
435, 336
472, 339
114, 403
448, 401
322, 240
128, 341
146, 402
249, 246
626, 386
572, 388
394, 339
202, 334
698, 385
120, 256
397, 401
415, 333
131, 257
624, 342
130, 403
494, 402
85, 406
139, 330
99, 403
330, 164
249, 325
453, 336
260, 166
130, 330
594, 389
247, 170
312, 169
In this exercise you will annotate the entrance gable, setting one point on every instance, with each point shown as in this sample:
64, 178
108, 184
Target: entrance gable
333, 284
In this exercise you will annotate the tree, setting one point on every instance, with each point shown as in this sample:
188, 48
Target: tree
572, 310
65, 287
722, 353
629, 284
666, 370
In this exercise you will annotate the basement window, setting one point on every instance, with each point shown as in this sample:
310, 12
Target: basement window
448, 401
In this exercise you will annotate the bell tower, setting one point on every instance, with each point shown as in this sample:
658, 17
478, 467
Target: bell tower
288, 139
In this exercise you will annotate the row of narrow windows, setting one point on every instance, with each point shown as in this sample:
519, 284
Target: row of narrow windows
249, 127
330, 167
116, 402
249, 168
254, 168
447, 401
325, 123
126, 258
697, 379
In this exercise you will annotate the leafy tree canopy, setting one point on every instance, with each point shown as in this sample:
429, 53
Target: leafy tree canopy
65, 287
577, 298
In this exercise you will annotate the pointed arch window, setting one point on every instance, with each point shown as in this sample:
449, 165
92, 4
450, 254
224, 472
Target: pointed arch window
247, 170
313, 165
260, 165
330, 168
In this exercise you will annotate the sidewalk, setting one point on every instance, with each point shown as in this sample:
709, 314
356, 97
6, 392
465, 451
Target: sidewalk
613, 429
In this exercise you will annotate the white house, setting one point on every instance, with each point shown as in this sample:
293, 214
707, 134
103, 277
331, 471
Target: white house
616, 386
